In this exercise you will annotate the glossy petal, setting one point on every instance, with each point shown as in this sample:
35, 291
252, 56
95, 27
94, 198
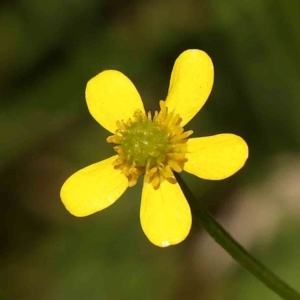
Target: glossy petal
191, 83
165, 214
216, 157
112, 97
93, 188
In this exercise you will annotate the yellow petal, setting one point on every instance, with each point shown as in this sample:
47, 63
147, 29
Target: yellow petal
165, 214
112, 97
216, 157
93, 188
191, 83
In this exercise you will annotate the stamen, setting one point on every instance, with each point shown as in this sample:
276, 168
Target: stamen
150, 146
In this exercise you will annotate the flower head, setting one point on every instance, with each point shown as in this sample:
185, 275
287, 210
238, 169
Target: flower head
153, 146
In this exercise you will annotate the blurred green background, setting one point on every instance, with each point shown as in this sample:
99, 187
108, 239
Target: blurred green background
49, 50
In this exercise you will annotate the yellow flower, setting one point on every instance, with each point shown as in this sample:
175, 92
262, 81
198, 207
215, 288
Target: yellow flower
155, 147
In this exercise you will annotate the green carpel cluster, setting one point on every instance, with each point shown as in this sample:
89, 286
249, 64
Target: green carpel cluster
144, 143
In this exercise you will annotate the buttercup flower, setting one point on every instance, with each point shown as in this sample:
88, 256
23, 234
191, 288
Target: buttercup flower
153, 146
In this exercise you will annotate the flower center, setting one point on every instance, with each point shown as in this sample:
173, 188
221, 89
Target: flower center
153, 147
144, 142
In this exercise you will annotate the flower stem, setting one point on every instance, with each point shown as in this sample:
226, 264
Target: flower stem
223, 238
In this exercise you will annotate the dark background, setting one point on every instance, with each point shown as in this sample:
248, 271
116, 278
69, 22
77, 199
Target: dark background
49, 50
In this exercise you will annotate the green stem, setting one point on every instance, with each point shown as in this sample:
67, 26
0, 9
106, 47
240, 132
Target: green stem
218, 233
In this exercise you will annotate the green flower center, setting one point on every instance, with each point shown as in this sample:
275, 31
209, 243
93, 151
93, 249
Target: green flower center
153, 147
145, 143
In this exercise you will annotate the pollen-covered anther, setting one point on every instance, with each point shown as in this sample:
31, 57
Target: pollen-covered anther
150, 146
